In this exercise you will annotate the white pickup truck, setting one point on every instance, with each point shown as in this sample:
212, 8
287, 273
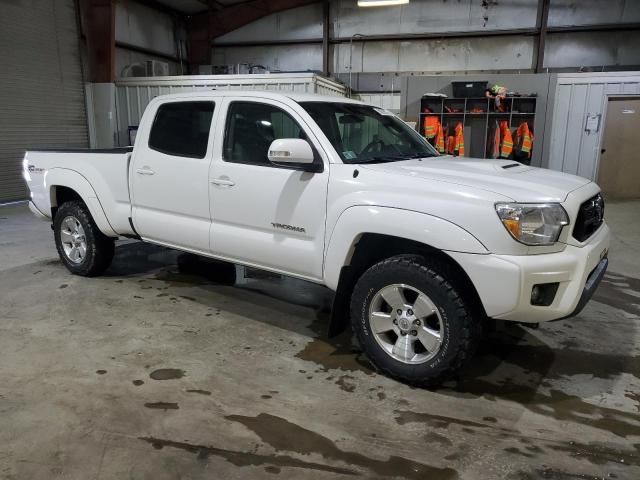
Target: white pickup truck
420, 248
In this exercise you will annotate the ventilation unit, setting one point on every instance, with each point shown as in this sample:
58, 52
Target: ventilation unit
156, 68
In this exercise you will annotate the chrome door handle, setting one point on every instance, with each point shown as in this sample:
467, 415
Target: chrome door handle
223, 182
145, 171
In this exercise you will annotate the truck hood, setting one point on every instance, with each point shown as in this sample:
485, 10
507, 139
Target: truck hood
506, 178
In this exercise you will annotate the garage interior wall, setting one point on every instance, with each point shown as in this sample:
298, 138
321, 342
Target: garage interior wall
571, 147
144, 33
42, 94
513, 52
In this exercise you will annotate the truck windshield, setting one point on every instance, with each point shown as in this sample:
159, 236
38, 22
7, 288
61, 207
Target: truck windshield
365, 134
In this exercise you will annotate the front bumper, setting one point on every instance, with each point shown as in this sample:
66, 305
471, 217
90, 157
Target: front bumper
504, 282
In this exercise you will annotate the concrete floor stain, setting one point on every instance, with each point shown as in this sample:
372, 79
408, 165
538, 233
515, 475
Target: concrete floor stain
167, 374
162, 405
518, 347
345, 383
337, 353
436, 421
199, 392
635, 396
599, 454
283, 435
433, 437
620, 291
557, 404
244, 459
137, 383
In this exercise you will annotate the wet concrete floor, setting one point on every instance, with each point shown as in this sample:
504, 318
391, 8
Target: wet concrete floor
165, 369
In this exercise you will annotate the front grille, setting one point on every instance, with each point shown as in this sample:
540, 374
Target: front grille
590, 217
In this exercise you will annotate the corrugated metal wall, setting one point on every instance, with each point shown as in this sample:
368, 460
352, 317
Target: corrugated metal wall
571, 147
564, 50
134, 94
41, 94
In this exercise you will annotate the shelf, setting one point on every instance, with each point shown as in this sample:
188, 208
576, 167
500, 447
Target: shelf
476, 98
479, 114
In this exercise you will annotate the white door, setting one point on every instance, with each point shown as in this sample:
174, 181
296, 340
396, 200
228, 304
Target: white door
266, 215
170, 188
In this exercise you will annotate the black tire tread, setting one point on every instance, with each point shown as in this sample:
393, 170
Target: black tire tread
469, 327
101, 248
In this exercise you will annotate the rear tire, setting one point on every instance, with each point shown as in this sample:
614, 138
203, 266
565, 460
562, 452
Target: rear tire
412, 322
82, 247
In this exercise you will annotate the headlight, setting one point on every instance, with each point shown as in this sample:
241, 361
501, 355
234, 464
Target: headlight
533, 224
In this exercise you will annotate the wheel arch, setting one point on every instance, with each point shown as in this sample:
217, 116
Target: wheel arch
65, 185
371, 248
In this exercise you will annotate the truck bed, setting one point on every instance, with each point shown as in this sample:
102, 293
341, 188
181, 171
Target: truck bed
103, 174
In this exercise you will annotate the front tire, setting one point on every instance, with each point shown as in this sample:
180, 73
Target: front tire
411, 321
82, 247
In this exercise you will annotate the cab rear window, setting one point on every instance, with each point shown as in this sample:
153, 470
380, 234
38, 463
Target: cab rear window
182, 129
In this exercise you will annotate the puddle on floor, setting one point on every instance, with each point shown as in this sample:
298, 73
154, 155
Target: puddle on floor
167, 374
283, 435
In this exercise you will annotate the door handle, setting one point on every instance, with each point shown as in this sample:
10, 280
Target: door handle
223, 182
145, 171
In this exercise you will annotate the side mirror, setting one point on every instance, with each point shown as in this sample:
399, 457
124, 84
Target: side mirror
291, 152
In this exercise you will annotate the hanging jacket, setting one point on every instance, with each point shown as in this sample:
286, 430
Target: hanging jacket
439, 139
455, 141
459, 139
506, 140
430, 124
523, 141
493, 150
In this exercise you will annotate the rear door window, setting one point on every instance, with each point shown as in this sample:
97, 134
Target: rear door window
182, 129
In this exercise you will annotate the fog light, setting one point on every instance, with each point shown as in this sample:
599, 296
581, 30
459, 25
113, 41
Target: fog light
543, 294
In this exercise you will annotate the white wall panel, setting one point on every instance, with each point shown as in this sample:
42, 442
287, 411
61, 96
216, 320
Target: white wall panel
505, 53
421, 16
145, 27
436, 55
274, 58
592, 12
592, 49
571, 148
295, 24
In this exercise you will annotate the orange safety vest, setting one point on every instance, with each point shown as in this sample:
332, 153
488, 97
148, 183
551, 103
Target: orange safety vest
506, 140
439, 139
430, 124
523, 139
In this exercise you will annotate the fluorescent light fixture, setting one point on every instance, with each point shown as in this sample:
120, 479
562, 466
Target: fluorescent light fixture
381, 3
